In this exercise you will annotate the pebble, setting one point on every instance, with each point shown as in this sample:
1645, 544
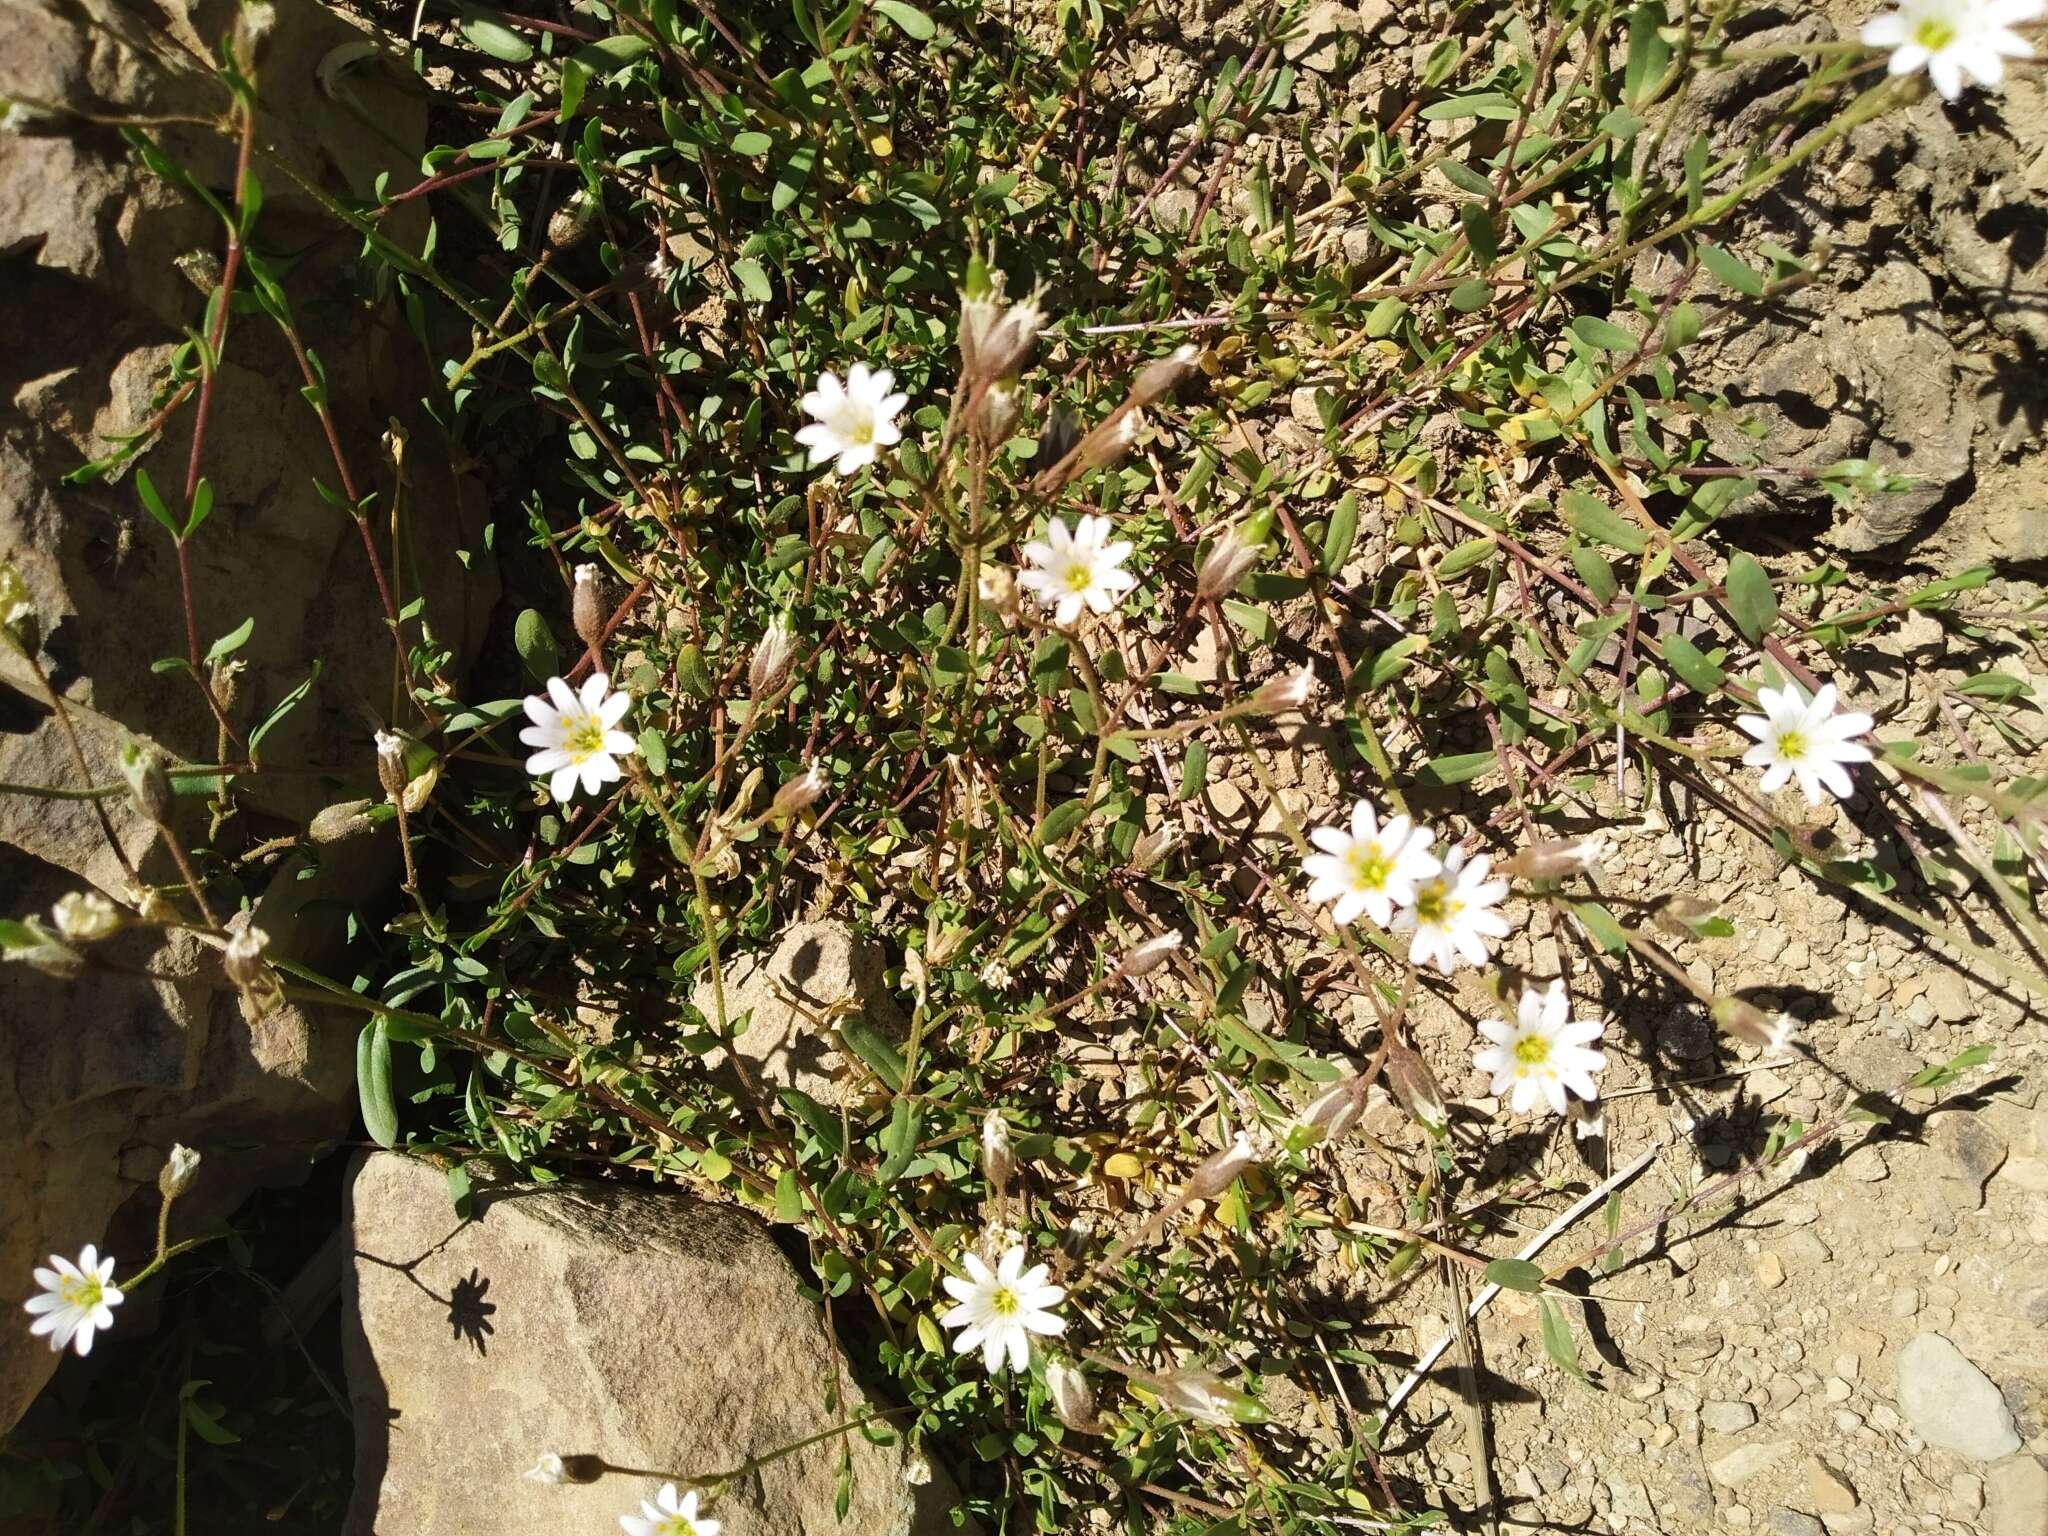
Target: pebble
1727, 1418
1966, 1493
1736, 1516
2016, 1497
1770, 1271
1905, 1302
1950, 995
1952, 1404
1827, 1490
1805, 1249
1790, 1522
1744, 1462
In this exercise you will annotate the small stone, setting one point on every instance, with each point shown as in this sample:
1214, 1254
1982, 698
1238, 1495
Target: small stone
1852, 1522
1629, 1500
1789, 1522
1744, 1462
1727, 1418
1905, 1302
1950, 995
1770, 1270
1805, 1250
1952, 1404
1971, 1149
1827, 1489
1966, 1494
1736, 1516
2016, 1497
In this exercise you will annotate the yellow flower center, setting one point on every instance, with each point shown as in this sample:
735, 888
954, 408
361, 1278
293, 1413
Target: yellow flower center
1532, 1050
82, 1294
1792, 746
1080, 577
1435, 905
1003, 1302
1370, 867
1934, 34
584, 738
858, 427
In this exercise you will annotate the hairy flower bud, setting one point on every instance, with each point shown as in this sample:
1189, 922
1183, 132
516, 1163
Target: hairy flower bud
1331, 1114
1073, 1400
1749, 1024
1155, 845
995, 414
391, 766
996, 586
1416, 1087
773, 658
18, 619
571, 221
800, 792
998, 1163
1106, 446
243, 956
1202, 1395
1157, 380
84, 916
1218, 1171
1278, 695
143, 768
1147, 957
586, 607
178, 1172
1230, 557
1557, 858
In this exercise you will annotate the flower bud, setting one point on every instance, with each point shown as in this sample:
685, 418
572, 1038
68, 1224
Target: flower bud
29, 943
18, 619
547, 1470
1557, 858
254, 23
391, 766
1225, 565
1278, 695
799, 793
998, 1163
1155, 845
243, 956
996, 585
1331, 1114
553, 1469
84, 916
586, 607
773, 658
1106, 446
1147, 957
1217, 1172
143, 768
571, 221
178, 1172
1073, 1400
1203, 1396
1415, 1086
917, 1469
995, 413
1157, 380
1748, 1024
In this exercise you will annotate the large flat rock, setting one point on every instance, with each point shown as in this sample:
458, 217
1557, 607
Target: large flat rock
655, 1332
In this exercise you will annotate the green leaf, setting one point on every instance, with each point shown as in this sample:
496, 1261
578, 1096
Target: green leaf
1456, 768
575, 80
1732, 271
751, 142
146, 489
1596, 520
1558, 1342
912, 21
1648, 54
1602, 925
232, 641
202, 506
610, 53
373, 1083
1515, 1275
1341, 534
1496, 106
1194, 769
284, 706
753, 280
1390, 663
495, 38
1995, 685
535, 642
1604, 335
1471, 295
1694, 668
202, 1420
460, 1194
654, 751
899, 1141
1061, 820
1751, 600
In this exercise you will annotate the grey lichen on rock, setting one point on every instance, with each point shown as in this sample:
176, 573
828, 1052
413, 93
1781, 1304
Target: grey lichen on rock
643, 1328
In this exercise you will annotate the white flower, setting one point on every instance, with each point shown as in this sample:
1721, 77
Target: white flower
1371, 868
1000, 1309
1542, 1053
83, 916
669, 1516
1452, 914
548, 1470
1803, 737
1954, 39
77, 1300
1081, 567
576, 735
855, 420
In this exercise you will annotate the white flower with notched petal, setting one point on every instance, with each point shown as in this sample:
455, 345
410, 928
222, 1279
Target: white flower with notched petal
1452, 914
1806, 738
1372, 868
1084, 567
77, 1300
999, 1309
1954, 40
577, 735
1542, 1054
855, 420
668, 1515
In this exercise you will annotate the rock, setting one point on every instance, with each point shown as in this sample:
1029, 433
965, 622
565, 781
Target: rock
1318, 44
1790, 1522
1971, 1153
1744, 1462
1950, 995
1727, 1418
2016, 1498
638, 1326
819, 976
106, 1073
1770, 1270
1952, 1404
1827, 1490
